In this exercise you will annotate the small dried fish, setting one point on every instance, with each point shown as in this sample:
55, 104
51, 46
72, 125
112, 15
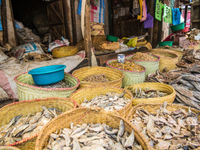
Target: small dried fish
21, 127
61, 84
96, 78
97, 140
110, 101
163, 128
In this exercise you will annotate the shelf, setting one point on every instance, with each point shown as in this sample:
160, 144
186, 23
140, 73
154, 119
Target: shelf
196, 20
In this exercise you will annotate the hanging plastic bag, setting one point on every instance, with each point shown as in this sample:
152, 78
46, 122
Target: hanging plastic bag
176, 16
158, 11
148, 23
144, 15
139, 17
167, 14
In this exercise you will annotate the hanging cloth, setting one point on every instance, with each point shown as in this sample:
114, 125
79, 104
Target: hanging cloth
158, 11
176, 16
148, 23
136, 8
144, 7
167, 14
139, 17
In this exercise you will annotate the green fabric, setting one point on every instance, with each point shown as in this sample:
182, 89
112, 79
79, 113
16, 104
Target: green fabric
158, 11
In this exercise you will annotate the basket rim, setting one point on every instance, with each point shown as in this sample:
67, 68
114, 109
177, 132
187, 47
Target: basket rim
35, 100
158, 58
108, 64
48, 89
155, 98
85, 82
13, 148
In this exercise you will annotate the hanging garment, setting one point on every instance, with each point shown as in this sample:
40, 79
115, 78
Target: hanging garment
136, 8
158, 11
167, 14
148, 23
139, 17
176, 16
144, 7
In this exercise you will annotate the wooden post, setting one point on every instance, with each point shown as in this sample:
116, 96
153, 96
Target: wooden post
73, 21
87, 32
4, 22
151, 9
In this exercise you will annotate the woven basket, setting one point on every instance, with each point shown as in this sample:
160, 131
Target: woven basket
5, 101
64, 51
8, 148
130, 77
168, 59
89, 93
150, 66
152, 108
31, 107
85, 115
154, 86
27, 90
115, 76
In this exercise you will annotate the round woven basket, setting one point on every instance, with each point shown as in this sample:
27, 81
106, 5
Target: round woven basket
154, 86
64, 51
89, 93
27, 91
85, 115
152, 108
130, 77
8, 148
114, 76
168, 59
31, 107
150, 66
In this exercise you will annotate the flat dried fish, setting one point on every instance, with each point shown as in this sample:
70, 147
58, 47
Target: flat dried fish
90, 140
61, 84
110, 101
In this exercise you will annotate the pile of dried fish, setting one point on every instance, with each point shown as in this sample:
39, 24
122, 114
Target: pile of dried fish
147, 93
21, 127
61, 84
144, 57
92, 137
169, 130
96, 78
127, 66
110, 101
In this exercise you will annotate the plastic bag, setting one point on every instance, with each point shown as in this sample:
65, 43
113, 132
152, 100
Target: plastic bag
132, 42
167, 15
58, 43
158, 11
176, 16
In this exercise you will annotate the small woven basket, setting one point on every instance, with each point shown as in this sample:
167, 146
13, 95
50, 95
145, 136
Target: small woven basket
89, 93
31, 107
154, 86
27, 90
152, 108
113, 75
150, 66
85, 115
168, 59
130, 77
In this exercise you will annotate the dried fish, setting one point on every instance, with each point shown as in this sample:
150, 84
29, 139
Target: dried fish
162, 129
98, 140
21, 127
96, 78
61, 84
110, 101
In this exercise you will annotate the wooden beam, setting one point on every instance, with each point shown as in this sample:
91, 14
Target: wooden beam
87, 32
4, 22
73, 21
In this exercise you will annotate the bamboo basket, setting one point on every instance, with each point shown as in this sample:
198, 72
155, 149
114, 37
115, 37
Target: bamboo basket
31, 107
64, 51
168, 59
27, 91
152, 108
89, 93
150, 66
114, 76
85, 115
154, 86
130, 77
8, 148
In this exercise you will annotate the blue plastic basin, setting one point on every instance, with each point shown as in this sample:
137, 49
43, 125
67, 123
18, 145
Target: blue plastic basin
48, 74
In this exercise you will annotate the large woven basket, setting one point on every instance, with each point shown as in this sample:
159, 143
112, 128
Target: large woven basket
85, 115
130, 77
115, 76
89, 93
168, 59
150, 66
154, 86
31, 107
152, 108
27, 90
